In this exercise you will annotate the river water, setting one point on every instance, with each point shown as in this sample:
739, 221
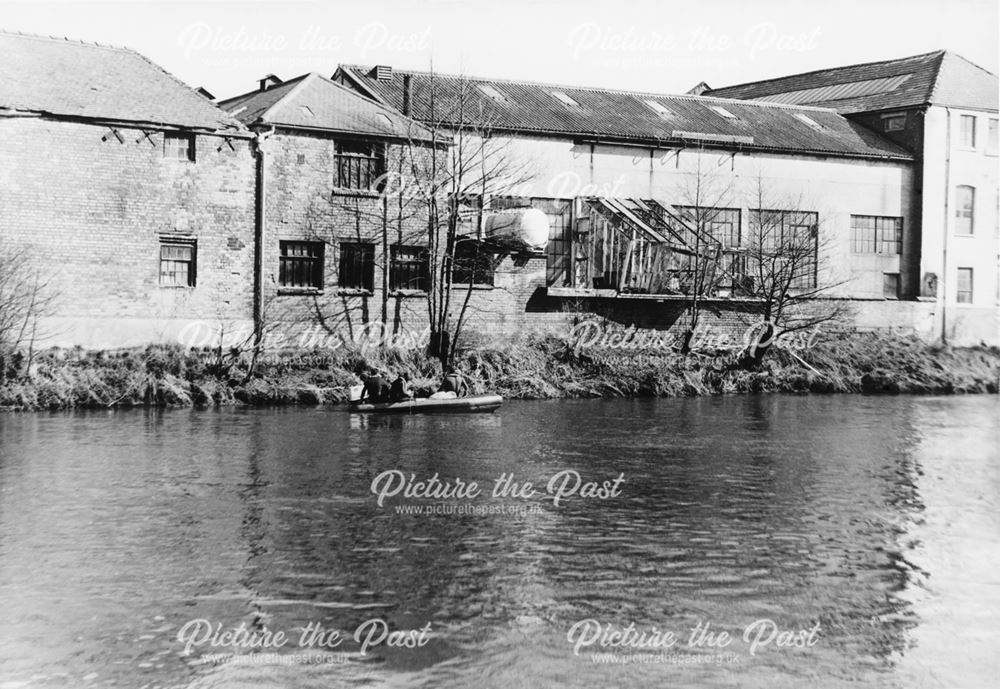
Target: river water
838, 541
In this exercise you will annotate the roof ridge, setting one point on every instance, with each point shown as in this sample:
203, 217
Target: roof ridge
830, 69
66, 39
255, 91
283, 100
226, 117
639, 94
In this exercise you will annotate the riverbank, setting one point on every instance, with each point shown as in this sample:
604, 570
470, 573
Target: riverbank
533, 368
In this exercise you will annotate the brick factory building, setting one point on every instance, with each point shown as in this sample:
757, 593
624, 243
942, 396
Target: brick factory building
157, 213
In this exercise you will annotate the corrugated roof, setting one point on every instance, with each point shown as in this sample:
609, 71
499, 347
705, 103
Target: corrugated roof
66, 78
312, 101
938, 78
628, 116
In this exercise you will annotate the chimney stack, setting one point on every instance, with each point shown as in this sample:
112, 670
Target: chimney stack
269, 81
406, 94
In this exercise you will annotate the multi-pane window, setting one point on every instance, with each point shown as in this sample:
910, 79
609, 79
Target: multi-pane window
357, 265
991, 137
871, 234
964, 293
472, 264
301, 264
177, 263
787, 242
359, 165
409, 268
721, 224
890, 285
967, 131
557, 251
178, 146
895, 122
965, 209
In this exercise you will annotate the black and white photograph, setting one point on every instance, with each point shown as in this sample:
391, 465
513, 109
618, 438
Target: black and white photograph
450, 344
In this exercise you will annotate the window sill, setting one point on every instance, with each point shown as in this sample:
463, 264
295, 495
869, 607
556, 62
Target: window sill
298, 291
176, 286
408, 293
475, 286
354, 292
967, 235
347, 191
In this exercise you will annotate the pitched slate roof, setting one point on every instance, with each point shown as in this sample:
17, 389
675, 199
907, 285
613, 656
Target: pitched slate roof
312, 101
63, 78
938, 78
626, 116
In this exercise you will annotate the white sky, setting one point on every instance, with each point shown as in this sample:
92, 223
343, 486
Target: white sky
666, 46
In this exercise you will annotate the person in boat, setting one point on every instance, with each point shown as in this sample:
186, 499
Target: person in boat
400, 389
376, 389
452, 382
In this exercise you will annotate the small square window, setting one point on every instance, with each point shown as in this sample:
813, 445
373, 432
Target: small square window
894, 123
178, 262
301, 264
178, 146
964, 292
357, 266
890, 285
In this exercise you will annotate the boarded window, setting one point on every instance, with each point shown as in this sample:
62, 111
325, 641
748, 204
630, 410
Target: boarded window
409, 268
301, 265
873, 234
890, 285
177, 262
964, 293
357, 265
178, 146
965, 209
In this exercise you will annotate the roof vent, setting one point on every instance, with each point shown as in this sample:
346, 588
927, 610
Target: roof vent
269, 82
382, 73
204, 93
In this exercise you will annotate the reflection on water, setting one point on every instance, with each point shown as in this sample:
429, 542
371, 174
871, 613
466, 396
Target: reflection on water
874, 517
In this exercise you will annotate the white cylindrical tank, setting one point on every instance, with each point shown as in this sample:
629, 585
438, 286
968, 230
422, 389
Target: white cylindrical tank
524, 228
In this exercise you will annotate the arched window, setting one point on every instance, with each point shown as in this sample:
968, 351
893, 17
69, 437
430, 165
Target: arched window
965, 209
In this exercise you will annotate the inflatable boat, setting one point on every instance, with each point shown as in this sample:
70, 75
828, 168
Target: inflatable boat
477, 404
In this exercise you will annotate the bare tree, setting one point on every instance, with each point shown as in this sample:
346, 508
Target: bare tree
788, 269
450, 187
25, 297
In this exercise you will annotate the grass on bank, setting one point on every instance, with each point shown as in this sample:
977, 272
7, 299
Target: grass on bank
531, 368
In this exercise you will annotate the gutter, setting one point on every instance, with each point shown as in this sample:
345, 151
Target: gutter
259, 231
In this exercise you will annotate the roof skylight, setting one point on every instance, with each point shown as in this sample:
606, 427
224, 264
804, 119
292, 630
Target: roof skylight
492, 92
565, 100
658, 108
802, 117
719, 110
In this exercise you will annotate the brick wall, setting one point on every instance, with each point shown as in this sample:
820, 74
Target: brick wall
93, 209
